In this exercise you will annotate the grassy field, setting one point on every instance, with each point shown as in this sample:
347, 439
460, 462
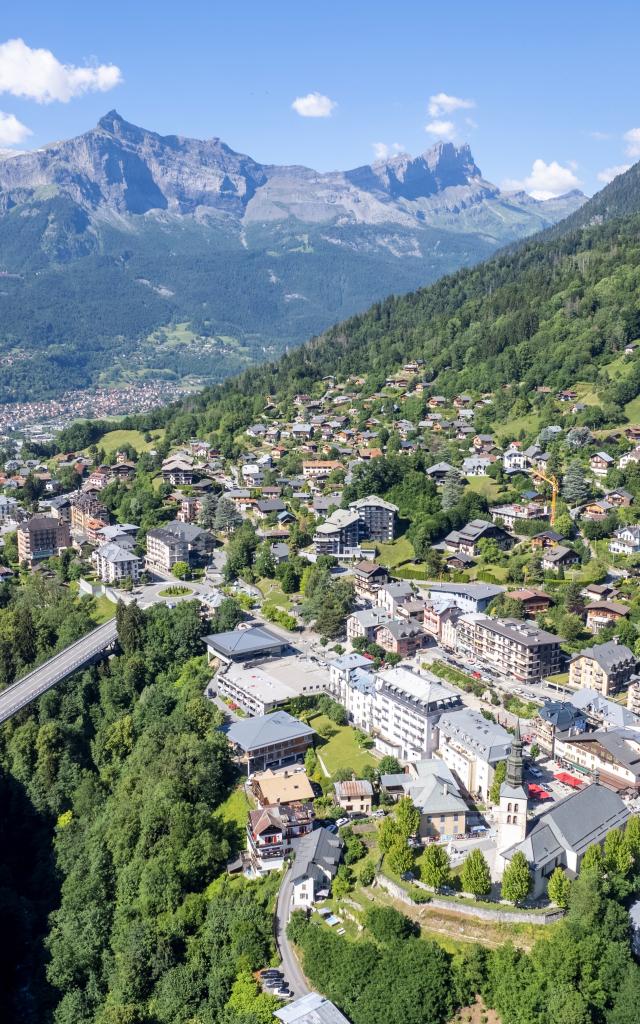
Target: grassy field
339, 749
273, 595
104, 609
395, 553
632, 410
511, 428
115, 439
485, 486
235, 808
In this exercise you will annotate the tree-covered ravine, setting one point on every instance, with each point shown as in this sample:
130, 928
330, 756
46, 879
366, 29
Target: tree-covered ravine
116, 908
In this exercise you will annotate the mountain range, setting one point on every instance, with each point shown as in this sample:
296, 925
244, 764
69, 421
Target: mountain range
124, 253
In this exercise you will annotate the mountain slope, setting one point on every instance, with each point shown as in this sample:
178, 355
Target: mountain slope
551, 311
109, 240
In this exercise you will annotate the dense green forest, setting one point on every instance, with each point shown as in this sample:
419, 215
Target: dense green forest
114, 903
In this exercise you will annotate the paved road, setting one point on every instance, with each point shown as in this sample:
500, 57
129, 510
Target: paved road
290, 966
62, 665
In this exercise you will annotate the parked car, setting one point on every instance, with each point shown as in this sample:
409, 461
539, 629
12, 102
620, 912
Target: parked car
342, 821
379, 814
331, 828
537, 774
408, 876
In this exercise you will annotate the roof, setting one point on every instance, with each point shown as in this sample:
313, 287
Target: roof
311, 1009
561, 714
242, 643
608, 656
485, 738
434, 790
112, 552
353, 787
284, 787
611, 713
418, 688
373, 499
620, 744
185, 531
265, 729
557, 553
525, 633
348, 662
609, 606
581, 819
317, 855
474, 591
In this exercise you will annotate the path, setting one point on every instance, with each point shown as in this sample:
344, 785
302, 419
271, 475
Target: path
290, 966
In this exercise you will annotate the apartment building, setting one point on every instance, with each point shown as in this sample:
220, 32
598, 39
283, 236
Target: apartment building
85, 509
405, 711
164, 549
611, 756
271, 832
520, 650
339, 534
378, 518
606, 668
319, 469
114, 564
472, 746
41, 537
178, 470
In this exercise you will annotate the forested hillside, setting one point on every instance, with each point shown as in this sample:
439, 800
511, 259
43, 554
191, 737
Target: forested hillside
109, 788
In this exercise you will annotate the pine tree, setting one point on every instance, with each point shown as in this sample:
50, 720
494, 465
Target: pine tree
475, 875
452, 490
559, 888
226, 516
516, 881
207, 517
575, 488
436, 869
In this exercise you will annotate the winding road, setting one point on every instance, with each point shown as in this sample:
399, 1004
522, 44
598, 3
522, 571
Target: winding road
290, 966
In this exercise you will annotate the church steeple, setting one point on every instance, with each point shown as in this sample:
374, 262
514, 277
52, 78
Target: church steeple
515, 761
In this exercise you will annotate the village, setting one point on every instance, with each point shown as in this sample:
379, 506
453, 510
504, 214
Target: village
426, 637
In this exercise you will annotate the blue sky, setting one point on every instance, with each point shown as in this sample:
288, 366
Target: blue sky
551, 93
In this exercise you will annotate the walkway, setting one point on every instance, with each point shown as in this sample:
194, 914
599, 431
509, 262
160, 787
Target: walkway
290, 966
74, 657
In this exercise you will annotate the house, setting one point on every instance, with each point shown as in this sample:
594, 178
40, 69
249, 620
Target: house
601, 614
282, 787
368, 577
178, 470
596, 509
403, 638
355, 796
439, 471
434, 792
545, 539
272, 831
625, 541
560, 835
606, 668
519, 650
41, 537
390, 596
600, 712
365, 623
316, 863
244, 645
471, 746
629, 458
8, 508
310, 1009
435, 614
318, 469
468, 597
533, 601
600, 463
114, 564
514, 460
270, 741
468, 539
558, 557
476, 465
619, 497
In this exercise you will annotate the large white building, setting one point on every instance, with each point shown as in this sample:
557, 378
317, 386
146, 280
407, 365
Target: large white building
114, 563
472, 746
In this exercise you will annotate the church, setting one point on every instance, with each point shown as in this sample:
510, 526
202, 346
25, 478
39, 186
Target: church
560, 834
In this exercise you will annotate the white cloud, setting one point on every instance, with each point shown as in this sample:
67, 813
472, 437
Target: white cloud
609, 173
38, 75
546, 180
314, 104
441, 129
632, 139
441, 104
12, 131
382, 151
600, 136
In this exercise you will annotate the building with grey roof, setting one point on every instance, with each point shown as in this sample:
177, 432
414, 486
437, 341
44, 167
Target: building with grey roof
244, 644
468, 597
114, 563
270, 741
310, 1009
602, 712
472, 746
433, 790
561, 834
316, 863
606, 668
610, 755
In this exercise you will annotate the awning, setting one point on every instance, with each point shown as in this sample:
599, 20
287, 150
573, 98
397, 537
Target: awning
569, 780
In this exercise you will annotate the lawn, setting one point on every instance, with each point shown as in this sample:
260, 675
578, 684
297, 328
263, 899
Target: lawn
235, 808
632, 410
485, 486
529, 423
339, 749
395, 553
104, 609
273, 595
115, 439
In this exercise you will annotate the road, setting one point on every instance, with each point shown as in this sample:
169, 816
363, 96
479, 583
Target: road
62, 665
290, 966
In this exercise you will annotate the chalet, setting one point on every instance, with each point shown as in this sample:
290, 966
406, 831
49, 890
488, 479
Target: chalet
601, 614
368, 577
437, 401
619, 497
558, 557
458, 562
596, 510
476, 465
439, 471
533, 601
467, 539
625, 541
482, 442
601, 463
629, 458
546, 539
600, 592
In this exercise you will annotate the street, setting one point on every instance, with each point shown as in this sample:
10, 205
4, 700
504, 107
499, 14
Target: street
290, 966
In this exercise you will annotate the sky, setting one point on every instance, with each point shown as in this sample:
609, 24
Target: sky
547, 97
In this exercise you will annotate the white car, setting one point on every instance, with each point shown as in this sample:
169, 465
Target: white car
342, 821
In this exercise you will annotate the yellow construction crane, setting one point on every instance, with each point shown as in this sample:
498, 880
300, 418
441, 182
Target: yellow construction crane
555, 488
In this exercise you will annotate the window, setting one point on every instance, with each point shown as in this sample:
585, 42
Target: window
508, 807
515, 807
515, 819
508, 819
